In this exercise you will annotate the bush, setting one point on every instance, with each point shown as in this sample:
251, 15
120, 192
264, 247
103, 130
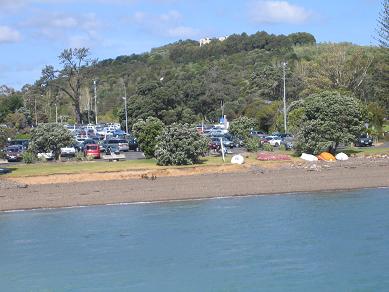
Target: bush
282, 147
180, 145
252, 144
79, 156
146, 133
50, 137
28, 157
268, 147
241, 127
329, 119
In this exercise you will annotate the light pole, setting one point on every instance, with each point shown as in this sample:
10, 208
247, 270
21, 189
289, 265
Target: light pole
284, 64
125, 111
95, 91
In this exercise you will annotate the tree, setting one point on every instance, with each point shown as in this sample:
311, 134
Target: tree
71, 77
241, 127
264, 113
180, 145
146, 132
383, 25
329, 119
50, 137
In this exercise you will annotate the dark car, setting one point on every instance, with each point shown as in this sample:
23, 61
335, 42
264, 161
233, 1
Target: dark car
19, 142
133, 144
364, 140
214, 144
112, 149
14, 153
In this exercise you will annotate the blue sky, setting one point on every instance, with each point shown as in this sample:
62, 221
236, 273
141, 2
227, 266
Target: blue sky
34, 32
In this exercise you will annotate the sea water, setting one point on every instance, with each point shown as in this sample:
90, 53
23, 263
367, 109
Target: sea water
299, 242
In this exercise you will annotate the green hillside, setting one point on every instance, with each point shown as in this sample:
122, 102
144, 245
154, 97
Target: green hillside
187, 83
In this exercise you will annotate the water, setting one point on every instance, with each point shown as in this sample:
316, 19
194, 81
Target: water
304, 242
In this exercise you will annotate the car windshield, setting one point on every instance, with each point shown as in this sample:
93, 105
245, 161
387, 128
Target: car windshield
91, 147
13, 148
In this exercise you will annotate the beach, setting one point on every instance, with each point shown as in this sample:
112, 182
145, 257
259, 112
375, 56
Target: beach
65, 191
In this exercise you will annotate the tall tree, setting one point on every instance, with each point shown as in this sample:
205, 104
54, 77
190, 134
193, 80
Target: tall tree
383, 25
71, 77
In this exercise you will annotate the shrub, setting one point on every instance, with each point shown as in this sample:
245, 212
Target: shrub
28, 157
329, 119
50, 137
268, 147
282, 147
252, 144
79, 156
180, 145
241, 127
146, 132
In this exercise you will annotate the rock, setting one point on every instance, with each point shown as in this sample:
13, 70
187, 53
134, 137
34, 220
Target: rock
237, 159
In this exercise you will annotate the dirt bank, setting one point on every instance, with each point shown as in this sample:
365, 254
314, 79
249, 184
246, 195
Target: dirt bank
130, 187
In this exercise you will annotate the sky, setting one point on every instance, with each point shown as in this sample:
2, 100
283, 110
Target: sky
34, 32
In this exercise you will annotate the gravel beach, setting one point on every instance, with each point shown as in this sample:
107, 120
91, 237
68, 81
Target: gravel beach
254, 180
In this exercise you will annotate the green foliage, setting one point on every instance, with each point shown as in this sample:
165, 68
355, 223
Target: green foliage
265, 114
180, 145
28, 157
5, 133
79, 156
295, 118
376, 116
329, 119
282, 147
241, 127
252, 144
267, 147
383, 25
146, 132
50, 137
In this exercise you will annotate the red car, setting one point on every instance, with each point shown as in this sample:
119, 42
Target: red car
92, 150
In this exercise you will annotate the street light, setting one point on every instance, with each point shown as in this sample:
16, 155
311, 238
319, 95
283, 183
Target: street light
95, 91
284, 64
125, 110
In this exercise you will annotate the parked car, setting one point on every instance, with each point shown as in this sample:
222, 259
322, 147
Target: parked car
133, 144
92, 150
69, 151
121, 143
21, 142
46, 156
112, 149
273, 140
14, 153
288, 142
363, 140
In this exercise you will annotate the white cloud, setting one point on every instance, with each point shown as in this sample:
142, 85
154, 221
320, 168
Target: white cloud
9, 35
278, 12
183, 32
167, 24
71, 29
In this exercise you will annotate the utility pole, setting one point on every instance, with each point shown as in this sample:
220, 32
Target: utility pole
125, 105
95, 91
36, 115
284, 64
56, 113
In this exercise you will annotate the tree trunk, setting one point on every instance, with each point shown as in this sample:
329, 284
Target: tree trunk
77, 110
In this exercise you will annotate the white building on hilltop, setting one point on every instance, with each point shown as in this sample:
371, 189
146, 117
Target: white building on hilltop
206, 41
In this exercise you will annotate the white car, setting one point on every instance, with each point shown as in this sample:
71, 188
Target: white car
68, 151
46, 156
274, 140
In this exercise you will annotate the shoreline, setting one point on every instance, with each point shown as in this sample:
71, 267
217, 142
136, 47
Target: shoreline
187, 200
248, 181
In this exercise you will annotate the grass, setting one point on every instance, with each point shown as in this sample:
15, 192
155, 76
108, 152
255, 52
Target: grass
38, 169
49, 168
